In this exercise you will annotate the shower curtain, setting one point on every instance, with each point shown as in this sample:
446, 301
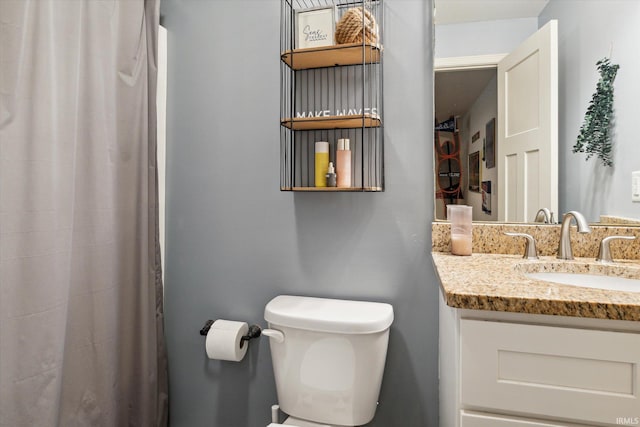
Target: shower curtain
81, 317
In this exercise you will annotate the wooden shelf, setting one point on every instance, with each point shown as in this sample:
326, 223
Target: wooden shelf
331, 189
332, 122
331, 56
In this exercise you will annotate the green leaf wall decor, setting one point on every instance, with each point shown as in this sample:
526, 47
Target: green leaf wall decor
595, 133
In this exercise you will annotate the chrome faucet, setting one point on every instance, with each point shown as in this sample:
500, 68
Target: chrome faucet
564, 247
544, 215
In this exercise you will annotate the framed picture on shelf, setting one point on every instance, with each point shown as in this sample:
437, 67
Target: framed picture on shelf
315, 27
474, 171
490, 144
486, 197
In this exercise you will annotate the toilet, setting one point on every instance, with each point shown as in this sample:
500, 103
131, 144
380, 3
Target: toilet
328, 358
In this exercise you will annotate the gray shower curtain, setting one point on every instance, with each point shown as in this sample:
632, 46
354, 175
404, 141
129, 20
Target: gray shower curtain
81, 318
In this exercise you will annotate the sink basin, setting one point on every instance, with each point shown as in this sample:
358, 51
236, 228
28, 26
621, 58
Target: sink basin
588, 280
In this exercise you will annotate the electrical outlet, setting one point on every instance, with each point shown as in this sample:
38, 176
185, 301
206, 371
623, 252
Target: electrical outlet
635, 186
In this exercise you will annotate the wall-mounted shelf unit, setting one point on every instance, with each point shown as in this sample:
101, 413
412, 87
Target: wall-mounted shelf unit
332, 56
332, 122
336, 189
329, 93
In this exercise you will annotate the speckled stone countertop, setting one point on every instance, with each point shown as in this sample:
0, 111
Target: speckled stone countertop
490, 238
619, 220
492, 278
496, 282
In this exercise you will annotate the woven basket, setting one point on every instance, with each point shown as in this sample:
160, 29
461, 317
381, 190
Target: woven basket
357, 25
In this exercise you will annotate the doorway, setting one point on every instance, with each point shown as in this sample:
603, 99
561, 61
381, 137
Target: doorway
466, 107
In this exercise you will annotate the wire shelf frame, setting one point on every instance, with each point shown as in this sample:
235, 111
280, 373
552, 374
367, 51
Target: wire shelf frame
328, 93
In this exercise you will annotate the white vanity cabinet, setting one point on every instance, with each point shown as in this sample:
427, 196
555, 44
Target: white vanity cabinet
501, 369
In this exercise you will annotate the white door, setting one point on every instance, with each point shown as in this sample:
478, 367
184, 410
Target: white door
527, 141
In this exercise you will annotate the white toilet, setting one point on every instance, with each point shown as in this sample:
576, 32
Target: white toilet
328, 358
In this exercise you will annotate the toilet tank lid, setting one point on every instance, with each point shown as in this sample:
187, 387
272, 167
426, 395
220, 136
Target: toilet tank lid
329, 315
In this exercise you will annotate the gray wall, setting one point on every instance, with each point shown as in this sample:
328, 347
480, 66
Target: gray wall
234, 241
483, 37
587, 32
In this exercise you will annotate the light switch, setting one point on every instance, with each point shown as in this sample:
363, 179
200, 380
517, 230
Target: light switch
635, 186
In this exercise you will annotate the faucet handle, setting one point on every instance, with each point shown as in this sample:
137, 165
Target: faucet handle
530, 251
604, 254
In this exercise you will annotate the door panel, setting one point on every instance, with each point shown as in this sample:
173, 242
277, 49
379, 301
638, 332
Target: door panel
522, 90
527, 143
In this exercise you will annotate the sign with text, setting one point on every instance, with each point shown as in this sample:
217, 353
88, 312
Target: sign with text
315, 27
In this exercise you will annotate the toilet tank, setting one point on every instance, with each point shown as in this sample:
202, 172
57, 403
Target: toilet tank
328, 369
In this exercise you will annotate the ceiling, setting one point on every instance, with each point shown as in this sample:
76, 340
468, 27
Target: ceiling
456, 91
458, 11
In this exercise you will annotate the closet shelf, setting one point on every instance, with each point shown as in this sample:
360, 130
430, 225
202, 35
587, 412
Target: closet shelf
332, 56
332, 122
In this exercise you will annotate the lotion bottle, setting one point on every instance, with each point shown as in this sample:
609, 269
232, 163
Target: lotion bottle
321, 163
343, 163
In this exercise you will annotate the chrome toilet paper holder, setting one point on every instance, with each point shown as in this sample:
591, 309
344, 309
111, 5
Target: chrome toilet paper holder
254, 332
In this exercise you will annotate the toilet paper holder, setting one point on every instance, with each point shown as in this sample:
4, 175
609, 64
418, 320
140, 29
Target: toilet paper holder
254, 332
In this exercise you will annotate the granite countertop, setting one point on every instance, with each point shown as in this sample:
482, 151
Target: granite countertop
496, 282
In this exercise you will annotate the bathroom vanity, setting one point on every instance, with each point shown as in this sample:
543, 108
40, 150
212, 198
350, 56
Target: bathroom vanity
518, 351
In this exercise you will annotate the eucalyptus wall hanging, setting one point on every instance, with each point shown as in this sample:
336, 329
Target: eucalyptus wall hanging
595, 133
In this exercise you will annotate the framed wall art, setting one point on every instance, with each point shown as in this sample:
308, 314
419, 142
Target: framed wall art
490, 144
475, 137
474, 171
315, 27
486, 197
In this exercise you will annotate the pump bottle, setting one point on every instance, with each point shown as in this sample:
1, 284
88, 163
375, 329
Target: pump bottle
343, 163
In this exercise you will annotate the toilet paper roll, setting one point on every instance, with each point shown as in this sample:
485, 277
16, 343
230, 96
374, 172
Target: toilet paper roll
223, 340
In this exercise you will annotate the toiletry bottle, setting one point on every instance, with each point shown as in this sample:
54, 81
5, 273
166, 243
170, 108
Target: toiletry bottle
343, 163
321, 163
331, 176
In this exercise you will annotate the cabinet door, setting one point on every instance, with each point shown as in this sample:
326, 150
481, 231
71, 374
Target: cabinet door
488, 420
584, 375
